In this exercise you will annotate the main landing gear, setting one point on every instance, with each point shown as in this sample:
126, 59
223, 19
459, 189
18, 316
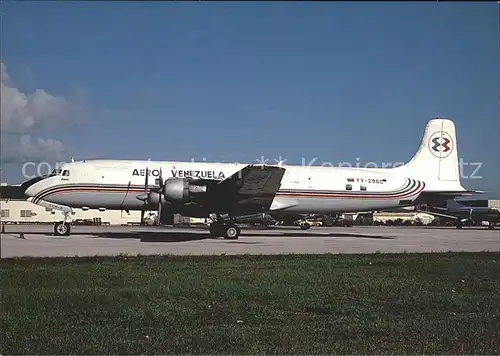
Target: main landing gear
229, 230
62, 228
491, 225
304, 225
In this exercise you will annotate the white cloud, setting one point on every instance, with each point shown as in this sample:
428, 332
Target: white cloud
25, 116
17, 149
5, 76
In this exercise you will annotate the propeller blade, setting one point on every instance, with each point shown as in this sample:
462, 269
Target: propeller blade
146, 179
161, 183
159, 212
160, 179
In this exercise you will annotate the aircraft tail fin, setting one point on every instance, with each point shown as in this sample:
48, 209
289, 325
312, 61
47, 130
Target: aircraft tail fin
436, 161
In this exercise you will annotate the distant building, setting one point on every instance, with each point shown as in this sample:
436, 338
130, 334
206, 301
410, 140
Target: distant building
494, 204
21, 211
410, 215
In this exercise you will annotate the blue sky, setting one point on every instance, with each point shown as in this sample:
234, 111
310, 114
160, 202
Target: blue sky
237, 81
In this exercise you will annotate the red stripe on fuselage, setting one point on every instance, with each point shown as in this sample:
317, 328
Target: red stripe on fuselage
63, 190
420, 186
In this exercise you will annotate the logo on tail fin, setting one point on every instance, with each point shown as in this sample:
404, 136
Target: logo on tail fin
440, 144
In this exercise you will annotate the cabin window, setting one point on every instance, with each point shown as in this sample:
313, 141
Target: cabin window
65, 173
4, 213
348, 187
363, 187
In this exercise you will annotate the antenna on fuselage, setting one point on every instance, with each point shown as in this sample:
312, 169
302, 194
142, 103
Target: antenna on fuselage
72, 159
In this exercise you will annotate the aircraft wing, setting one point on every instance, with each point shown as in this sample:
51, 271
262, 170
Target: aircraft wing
252, 189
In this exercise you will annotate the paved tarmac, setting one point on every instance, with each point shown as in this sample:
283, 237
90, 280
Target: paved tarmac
132, 240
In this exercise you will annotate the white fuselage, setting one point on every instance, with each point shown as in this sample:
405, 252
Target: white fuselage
104, 184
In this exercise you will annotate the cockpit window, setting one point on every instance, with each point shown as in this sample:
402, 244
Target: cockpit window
65, 173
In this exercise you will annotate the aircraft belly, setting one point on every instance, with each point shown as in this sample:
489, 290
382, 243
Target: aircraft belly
96, 200
320, 205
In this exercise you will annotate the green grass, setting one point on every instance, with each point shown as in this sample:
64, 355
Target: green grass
345, 304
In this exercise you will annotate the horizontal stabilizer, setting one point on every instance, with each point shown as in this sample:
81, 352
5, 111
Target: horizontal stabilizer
456, 193
438, 197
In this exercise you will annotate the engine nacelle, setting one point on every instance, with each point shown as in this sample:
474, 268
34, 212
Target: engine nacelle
154, 198
181, 189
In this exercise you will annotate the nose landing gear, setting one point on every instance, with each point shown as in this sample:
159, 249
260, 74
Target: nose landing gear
62, 228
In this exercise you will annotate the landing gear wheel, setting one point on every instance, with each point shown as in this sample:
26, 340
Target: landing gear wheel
232, 232
491, 226
305, 226
62, 228
459, 226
